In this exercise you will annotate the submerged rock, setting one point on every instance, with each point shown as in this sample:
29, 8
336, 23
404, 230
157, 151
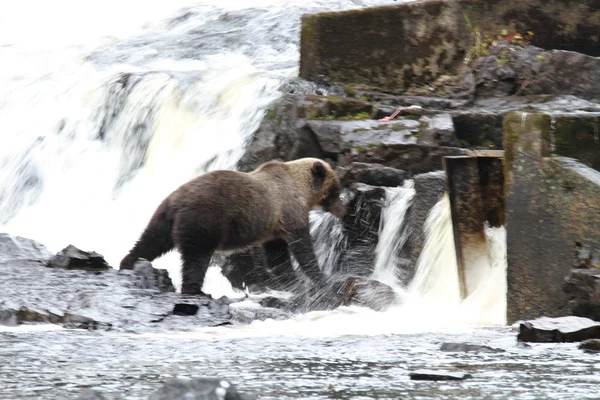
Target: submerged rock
466, 347
426, 375
590, 346
73, 258
199, 389
90, 394
556, 330
344, 291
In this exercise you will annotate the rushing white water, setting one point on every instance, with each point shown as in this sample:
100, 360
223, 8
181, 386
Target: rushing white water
328, 238
105, 108
392, 235
97, 127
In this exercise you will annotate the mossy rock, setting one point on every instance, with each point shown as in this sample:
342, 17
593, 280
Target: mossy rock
333, 107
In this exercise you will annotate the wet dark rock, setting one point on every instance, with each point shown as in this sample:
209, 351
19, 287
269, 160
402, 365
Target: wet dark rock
562, 329
16, 248
24, 315
437, 130
199, 389
73, 258
90, 394
582, 285
344, 291
241, 315
273, 302
478, 129
529, 70
342, 130
426, 375
466, 347
493, 78
144, 276
361, 229
371, 174
412, 158
185, 309
590, 346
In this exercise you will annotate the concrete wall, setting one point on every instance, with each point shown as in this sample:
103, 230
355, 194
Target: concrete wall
395, 47
551, 203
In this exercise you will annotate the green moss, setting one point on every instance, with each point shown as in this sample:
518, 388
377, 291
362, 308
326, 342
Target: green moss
360, 149
360, 130
354, 117
502, 61
271, 113
540, 58
350, 91
464, 143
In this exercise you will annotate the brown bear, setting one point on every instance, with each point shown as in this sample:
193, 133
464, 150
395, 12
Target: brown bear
228, 210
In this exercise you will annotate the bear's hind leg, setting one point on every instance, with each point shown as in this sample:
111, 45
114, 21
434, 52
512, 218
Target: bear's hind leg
193, 271
277, 258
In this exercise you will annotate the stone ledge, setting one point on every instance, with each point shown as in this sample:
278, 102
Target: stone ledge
394, 47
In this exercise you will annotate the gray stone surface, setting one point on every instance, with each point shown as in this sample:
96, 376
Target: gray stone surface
551, 204
417, 43
199, 389
557, 330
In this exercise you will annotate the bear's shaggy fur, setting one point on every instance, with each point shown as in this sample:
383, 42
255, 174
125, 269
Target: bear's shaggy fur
229, 210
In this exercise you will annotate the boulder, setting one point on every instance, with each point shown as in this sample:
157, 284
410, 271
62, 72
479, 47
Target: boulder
16, 248
144, 276
199, 389
561, 329
371, 174
466, 348
344, 291
73, 258
528, 70
590, 346
427, 375
437, 129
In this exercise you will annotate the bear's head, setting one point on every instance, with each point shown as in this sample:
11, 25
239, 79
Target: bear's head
326, 188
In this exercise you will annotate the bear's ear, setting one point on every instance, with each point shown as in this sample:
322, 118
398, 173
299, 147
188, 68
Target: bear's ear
318, 173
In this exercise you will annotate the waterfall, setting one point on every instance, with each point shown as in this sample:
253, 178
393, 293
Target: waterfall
392, 235
98, 126
435, 287
328, 237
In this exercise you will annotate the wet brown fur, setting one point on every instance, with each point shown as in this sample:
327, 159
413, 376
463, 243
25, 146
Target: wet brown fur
229, 210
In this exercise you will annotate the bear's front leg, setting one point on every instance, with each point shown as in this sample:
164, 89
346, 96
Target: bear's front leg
303, 251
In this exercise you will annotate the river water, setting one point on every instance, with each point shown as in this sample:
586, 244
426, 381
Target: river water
106, 107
